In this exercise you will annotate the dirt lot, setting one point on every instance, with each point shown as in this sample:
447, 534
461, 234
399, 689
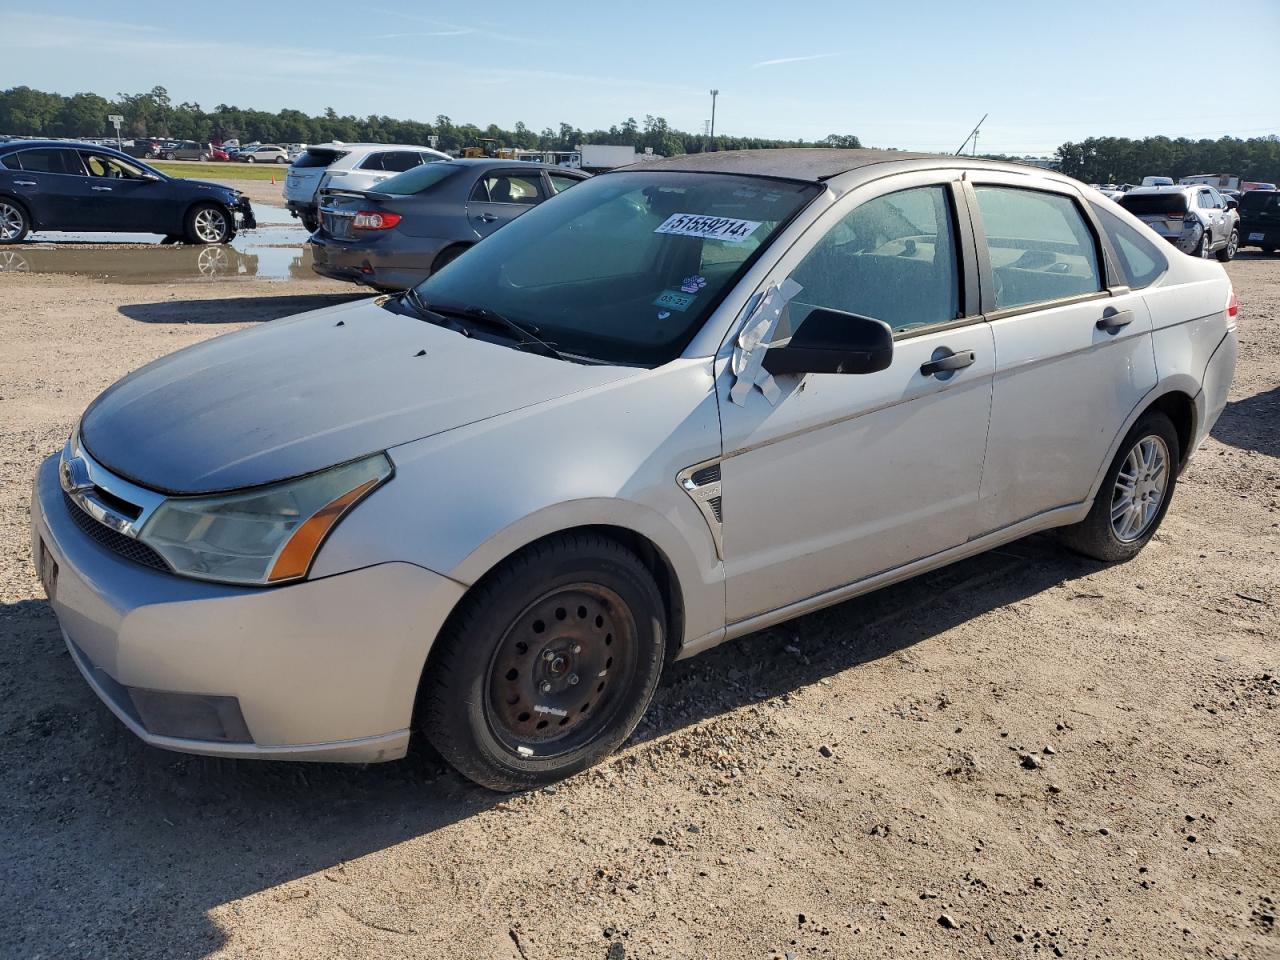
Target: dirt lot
1148, 693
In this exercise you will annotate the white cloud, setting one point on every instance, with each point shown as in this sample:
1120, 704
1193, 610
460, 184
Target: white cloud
782, 60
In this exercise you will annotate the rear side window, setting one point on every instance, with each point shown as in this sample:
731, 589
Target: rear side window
318, 159
1140, 260
1041, 249
394, 161
47, 161
892, 258
507, 188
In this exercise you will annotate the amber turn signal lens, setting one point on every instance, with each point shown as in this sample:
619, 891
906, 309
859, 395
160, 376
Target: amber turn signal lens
295, 559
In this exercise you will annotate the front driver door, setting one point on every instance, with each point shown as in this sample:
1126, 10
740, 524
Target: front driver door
122, 198
848, 476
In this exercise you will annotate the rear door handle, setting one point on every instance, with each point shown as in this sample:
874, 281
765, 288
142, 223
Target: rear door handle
24, 183
1113, 320
488, 217
955, 361
105, 189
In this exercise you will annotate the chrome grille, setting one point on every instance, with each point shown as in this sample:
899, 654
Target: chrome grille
117, 543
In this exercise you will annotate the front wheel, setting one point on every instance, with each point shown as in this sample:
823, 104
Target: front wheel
171, 156
14, 223
1134, 495
547, 666
248, 160
281, 160
1228, 253
209, 223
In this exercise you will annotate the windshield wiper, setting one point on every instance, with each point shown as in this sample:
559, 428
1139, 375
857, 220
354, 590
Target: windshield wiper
526, 333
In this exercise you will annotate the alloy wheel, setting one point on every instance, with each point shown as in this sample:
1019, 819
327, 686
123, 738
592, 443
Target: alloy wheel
12, 222
1140, 488
211, 225
1233, 245
561, 671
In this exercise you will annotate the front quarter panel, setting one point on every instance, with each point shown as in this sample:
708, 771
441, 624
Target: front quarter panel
464, 500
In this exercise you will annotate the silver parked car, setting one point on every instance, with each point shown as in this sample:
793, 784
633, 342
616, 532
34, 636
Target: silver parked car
1196, 219
396, 233
672, 406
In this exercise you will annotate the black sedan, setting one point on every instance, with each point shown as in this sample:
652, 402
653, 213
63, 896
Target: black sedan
57, 185
398, 232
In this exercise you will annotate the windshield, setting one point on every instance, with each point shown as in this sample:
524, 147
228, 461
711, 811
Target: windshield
418, 179
625, 267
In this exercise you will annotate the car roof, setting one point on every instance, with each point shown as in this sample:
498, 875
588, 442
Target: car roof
487, 162
1176, 188
11, 145
334, 145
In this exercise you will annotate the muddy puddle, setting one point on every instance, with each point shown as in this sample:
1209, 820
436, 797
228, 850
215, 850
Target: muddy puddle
275, 250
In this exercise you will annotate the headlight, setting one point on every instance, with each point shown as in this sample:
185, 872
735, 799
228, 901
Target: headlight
266, 535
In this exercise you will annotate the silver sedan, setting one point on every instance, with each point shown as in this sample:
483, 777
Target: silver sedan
682, 402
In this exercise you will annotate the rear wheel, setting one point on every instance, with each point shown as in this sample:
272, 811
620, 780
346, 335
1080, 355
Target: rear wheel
281, 160
209, 223
14, 222
1134, 495
1228, 253
171, 156
310, 222
547, 666
1203, 247
248, 160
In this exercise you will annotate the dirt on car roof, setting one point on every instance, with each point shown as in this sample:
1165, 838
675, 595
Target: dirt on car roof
1027, 754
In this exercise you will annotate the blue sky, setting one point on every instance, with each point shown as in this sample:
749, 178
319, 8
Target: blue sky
915, 75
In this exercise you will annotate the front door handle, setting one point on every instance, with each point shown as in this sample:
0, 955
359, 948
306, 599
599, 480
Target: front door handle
101, 189
1113, 320
24, 183
954, 361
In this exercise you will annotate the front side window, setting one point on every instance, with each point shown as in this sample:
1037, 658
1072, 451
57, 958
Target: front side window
1140, 260
561, 183
48, 160
1040, 246
892, 259
102, 165
625, 267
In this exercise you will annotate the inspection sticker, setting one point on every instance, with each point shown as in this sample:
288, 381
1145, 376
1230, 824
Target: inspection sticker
674, 300
729, 229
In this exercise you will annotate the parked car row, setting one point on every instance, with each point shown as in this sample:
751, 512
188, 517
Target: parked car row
1196, 219
346, 166
677, 404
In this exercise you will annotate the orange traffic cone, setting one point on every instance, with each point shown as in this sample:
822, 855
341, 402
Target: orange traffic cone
273, 179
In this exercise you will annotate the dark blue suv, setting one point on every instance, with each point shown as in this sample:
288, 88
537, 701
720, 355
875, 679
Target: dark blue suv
59, 185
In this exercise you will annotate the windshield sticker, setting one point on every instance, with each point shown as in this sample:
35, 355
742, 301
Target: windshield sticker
673, 300
729, 229
693, 284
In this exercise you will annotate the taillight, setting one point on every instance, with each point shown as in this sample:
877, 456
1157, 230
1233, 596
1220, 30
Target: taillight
371, 220
1174, 216
1233, 309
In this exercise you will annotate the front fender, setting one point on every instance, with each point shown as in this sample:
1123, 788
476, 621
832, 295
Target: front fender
465, 499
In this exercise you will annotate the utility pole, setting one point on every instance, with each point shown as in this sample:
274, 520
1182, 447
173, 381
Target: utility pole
714, 94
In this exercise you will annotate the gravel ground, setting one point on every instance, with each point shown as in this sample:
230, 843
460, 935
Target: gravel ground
852, 784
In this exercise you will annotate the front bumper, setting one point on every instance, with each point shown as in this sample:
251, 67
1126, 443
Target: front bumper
242, 209
320, 670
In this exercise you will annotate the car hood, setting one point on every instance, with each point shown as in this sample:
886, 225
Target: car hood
205, 186
298, 395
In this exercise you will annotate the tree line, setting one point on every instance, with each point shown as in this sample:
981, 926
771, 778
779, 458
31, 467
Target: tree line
28, 112
1121, 160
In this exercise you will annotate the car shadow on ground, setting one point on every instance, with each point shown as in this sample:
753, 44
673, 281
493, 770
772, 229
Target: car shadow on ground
1252, 423
144, 843
236, 309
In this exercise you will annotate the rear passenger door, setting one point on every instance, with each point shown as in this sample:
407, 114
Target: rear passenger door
500, 196
1072, 341
53, 185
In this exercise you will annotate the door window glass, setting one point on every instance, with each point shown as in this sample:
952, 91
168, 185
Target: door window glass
102, 165
1040, 246
1206, 200
50, 160
561, 183
506, 188
400, 161
1140, 260
892, 258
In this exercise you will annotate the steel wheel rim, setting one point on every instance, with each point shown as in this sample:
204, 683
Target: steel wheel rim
210, 225
1139, 489
11, 222
556, 682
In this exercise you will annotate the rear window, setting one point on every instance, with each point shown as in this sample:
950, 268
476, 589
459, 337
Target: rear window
318, 158
418, 179
1154, 204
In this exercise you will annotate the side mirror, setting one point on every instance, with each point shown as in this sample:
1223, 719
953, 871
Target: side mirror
831, 341
150, 177
1232, 204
